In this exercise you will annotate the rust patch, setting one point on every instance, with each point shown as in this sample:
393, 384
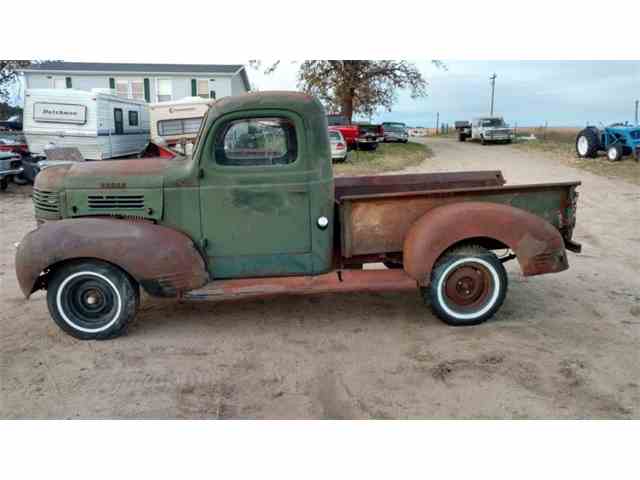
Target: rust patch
154, 255
538, 246
333, 282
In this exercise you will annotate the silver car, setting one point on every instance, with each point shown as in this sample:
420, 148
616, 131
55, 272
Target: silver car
338, 146
395, 132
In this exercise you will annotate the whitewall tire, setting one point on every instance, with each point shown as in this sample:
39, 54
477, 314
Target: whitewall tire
91, 299
468, 286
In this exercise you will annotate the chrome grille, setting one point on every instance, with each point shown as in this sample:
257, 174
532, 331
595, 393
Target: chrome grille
46, 204
116, 202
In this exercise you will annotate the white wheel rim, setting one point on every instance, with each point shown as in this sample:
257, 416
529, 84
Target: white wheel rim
494, 297
63, 314
583, 145
613, 154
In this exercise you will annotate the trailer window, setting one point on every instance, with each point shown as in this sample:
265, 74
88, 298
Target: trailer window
257, 142
133, 118
179, 126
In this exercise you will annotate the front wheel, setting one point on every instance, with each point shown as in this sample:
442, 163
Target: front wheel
483, 141
4, 183
92, 300
615, 152
468, 286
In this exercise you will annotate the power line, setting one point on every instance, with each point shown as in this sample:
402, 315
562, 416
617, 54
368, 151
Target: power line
493, 90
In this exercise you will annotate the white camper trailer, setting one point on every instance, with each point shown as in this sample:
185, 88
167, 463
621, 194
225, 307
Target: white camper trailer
177, 122
100, 124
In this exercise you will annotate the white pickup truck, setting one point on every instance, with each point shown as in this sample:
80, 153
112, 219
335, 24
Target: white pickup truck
486, 130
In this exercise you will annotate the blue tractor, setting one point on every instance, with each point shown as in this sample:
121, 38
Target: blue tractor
617, 140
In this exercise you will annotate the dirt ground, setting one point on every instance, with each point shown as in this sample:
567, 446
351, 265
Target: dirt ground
562, 346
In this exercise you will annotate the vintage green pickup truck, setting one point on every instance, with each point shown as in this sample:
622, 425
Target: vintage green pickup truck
255, 211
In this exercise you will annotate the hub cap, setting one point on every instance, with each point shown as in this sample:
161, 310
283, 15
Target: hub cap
583, 145
468, 287
89, 301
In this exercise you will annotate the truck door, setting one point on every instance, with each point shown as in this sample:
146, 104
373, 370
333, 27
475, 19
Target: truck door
255, 198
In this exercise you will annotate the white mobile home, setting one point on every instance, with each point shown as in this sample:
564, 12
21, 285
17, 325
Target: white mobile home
177, 121
100, 124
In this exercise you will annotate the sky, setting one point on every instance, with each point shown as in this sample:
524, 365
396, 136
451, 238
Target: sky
528, 93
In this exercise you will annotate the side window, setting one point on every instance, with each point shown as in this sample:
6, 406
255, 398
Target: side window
257, 142
133, 118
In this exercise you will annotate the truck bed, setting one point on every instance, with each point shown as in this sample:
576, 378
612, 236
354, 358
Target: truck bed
381, 184
375, 215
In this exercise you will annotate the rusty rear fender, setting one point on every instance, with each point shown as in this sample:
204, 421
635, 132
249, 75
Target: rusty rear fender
165, 262
537, 244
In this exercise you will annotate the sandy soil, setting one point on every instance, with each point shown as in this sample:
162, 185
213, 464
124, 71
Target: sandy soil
562, 346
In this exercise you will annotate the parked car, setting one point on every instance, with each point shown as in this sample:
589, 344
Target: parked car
395, 132
339, 149
357, 136
234, 221
10, 167
13, 123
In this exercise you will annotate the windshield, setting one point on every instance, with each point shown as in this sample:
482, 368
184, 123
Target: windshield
492, 122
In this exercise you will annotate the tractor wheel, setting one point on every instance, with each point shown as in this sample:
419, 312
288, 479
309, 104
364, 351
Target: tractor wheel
588, 143
615, 152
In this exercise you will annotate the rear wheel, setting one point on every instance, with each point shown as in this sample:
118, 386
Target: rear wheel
615, 152
588, 143
468, 286
462, 137
92, 300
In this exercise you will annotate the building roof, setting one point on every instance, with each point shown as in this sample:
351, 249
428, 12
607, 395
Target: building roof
143, 68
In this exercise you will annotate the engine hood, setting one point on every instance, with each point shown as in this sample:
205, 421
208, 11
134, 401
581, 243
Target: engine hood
116, 174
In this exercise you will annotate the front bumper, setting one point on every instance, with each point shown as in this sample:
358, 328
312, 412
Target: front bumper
395, 138
14, 171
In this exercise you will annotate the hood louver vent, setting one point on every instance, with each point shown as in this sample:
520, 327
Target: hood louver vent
116, 202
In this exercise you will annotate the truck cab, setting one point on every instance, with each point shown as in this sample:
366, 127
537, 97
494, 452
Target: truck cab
256, 211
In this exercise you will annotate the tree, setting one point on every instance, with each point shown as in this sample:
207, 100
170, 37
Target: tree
8, 75
358, 86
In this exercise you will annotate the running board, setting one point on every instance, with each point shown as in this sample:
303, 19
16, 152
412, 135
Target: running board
333, 282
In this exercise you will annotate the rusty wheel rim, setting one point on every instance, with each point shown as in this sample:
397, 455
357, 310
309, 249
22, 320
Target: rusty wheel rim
468, 287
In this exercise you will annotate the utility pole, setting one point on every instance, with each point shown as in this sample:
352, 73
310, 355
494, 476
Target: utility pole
493, 90
437, 122
637, 102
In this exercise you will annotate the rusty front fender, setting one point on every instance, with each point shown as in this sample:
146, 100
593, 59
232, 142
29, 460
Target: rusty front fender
164, 261
537, 244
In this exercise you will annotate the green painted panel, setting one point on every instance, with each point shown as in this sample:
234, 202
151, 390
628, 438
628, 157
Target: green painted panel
145, 203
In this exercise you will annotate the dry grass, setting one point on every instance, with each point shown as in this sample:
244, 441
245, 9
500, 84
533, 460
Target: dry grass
560, 142
389, 157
